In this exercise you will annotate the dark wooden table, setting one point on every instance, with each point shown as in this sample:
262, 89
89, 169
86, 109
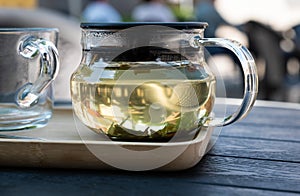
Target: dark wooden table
259, 155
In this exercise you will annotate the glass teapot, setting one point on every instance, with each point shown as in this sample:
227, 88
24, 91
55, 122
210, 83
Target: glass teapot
150, 81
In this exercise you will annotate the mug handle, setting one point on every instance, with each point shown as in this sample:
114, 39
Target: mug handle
249, 71
29, 48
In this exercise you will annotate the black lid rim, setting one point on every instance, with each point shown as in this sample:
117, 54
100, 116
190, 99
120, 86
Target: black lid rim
124, 25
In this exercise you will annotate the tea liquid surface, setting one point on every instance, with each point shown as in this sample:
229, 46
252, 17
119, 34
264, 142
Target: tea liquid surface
140, 104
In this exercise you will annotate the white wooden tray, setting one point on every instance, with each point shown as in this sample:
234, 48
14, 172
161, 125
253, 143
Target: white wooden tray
59, 145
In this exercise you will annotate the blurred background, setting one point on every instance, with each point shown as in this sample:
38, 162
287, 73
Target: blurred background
270, 29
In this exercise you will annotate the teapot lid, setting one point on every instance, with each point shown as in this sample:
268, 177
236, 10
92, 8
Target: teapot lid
124, 25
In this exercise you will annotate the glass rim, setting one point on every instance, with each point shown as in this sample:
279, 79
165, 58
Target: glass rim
124, 25
27, 29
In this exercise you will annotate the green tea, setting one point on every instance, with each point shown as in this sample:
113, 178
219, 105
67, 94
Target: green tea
134, 104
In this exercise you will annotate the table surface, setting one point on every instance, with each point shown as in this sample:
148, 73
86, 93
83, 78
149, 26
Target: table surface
259, 155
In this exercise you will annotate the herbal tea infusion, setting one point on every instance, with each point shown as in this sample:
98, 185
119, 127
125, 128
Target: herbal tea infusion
141, 108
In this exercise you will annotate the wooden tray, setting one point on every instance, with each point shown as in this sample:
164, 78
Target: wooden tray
59, 145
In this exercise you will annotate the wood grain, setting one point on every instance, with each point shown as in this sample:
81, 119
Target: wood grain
259, 155
257, 149
83, 182
60, 145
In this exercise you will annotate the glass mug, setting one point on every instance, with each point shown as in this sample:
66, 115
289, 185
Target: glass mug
28, 63
150, 81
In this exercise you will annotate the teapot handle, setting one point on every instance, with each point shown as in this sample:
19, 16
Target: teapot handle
29, 48
249, 71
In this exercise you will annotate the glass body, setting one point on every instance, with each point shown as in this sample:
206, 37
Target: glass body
147, 81
28, 64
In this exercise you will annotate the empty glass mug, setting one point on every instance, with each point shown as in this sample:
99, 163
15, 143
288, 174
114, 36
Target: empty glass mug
28, 64
150, 81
